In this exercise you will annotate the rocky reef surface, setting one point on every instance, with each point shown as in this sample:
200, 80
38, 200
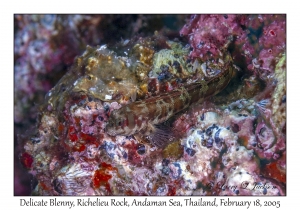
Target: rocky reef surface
229, 141
44, 49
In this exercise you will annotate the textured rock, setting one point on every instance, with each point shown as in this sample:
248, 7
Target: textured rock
225, 145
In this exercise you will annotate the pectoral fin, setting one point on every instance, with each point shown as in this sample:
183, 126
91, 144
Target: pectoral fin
162, 135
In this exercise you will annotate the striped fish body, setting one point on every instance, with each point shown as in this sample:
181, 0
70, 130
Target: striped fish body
137, 116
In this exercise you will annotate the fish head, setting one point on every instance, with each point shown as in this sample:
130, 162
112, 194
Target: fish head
117, 123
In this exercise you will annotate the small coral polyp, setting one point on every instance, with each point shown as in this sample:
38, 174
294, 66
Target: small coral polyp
156, 121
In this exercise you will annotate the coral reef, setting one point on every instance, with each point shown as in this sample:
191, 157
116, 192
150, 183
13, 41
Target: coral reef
256, 40
154, 116
46, 45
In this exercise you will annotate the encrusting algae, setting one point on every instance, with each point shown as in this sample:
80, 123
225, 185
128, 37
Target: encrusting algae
141, 117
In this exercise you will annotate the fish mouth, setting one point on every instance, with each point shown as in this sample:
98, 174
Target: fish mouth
110, 131
109, 128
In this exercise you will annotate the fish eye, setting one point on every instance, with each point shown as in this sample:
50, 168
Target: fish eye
120, 122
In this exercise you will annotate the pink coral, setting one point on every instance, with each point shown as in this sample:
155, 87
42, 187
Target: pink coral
216, 147
256, 41
210, 34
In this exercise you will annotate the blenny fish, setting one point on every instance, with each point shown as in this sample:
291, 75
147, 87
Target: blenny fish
146, 115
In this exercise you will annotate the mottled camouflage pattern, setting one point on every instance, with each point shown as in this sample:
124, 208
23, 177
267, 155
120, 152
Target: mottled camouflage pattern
140, 116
